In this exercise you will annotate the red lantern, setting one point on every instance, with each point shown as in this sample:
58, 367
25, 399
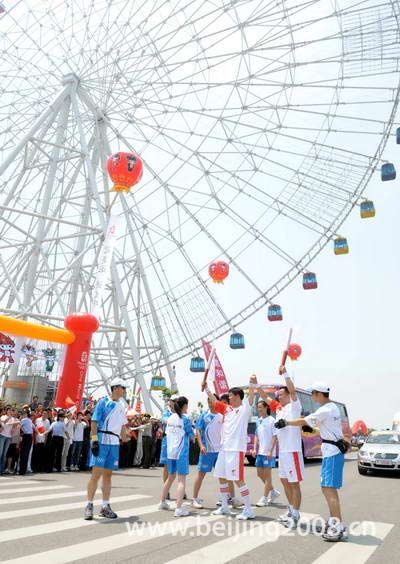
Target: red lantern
125, 170
294, 351
218, 271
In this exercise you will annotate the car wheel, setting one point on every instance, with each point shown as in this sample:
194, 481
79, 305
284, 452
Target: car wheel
362, 471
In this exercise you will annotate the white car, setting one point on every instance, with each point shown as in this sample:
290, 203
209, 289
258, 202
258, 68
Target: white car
381, 451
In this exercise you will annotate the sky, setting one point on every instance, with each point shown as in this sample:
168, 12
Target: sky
348, 327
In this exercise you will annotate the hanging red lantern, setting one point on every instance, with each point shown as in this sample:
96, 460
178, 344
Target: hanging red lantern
294, 351
218, 271
125, 170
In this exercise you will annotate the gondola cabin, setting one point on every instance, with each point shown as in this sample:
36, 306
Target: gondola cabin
341, 246
158, 383
275, 313
197, 364
367, 209
236, 341
388, 172
310, 281
398, 136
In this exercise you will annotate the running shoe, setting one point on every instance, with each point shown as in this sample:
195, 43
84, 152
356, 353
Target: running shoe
88, 512
273, 494
221, 511
335, 534
181, 512
263, 502
197, 503
245, 515
164, 505
285, 517
292, 522
236, 503
107, 512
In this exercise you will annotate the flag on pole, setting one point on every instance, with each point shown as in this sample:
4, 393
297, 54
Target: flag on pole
103, 273
216, 371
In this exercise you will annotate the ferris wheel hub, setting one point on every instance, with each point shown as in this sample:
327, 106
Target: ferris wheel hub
70, 78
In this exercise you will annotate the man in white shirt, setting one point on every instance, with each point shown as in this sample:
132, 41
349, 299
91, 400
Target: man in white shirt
77, 444
291, 463
230, 461
327, 418
7, 423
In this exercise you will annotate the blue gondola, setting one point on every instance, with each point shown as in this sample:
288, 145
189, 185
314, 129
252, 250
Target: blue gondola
158, 383
237, 341
275, 313
388, 172
197, 364
310, 281
367, 209
341, 247
398, 135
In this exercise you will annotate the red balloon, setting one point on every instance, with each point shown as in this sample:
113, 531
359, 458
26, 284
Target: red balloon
125, 170
294, 351
218, 271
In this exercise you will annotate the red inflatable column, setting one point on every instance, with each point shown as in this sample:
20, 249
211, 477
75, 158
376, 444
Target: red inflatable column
76, 360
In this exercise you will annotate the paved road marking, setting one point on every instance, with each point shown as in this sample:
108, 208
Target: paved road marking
10, 482
108, 544
28, 512
58, 526
235, 545
36, 488
40, 497
360, 546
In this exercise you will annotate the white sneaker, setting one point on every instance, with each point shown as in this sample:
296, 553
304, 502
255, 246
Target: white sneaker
292, 522
181, 512
164, 505
284, 518
273, 494
244, 515
263, 502
221, 511
236, 503
335, 534
196, 503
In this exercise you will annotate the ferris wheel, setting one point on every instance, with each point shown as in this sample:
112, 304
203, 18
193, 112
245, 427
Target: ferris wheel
259, 125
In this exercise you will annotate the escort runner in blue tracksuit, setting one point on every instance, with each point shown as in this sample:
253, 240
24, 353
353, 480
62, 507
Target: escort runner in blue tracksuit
108, 421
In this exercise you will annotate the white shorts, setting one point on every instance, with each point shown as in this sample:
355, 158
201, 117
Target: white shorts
230, 465
291, 466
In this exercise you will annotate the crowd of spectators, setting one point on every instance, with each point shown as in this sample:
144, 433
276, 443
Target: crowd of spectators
38, 438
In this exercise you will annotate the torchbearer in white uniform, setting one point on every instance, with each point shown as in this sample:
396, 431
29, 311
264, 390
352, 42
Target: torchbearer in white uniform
230, 461
291, 463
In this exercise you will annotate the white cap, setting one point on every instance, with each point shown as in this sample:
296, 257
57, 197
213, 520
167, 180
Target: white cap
320, 387
118, 382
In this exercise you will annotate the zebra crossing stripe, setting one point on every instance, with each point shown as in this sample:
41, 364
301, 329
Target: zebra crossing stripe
37, 488
364, 540
110, 543
6, 482
30, 511
255, 535
59, 526
30, 498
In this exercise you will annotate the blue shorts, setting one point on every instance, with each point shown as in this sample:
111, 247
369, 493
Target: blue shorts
180, 466
107, 458
163, 453
332, 471
207, 461
262, 461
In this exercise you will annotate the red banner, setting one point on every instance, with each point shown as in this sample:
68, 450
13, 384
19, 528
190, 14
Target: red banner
220, 382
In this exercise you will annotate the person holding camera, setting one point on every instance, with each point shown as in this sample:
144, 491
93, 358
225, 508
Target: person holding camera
327, 418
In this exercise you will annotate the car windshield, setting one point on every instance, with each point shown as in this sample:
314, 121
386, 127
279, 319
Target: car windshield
384, 439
